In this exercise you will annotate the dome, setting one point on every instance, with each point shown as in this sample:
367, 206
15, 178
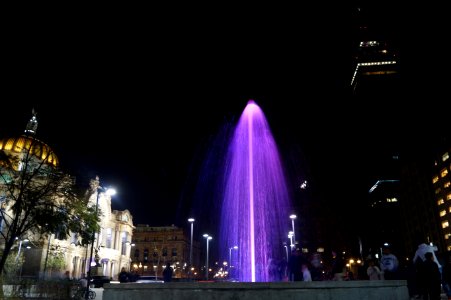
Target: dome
39, 149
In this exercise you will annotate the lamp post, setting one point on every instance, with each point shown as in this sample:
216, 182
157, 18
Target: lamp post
20, 247
286, 250
292, 217
191, 220
230, 258
208, 238
230, 254
109, 192
290, 236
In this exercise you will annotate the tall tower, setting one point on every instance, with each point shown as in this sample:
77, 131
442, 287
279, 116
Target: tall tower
441, 181
375, 56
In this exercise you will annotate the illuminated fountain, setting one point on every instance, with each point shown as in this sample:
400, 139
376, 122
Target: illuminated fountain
255, 201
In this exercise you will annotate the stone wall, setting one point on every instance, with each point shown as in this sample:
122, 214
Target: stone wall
316, 290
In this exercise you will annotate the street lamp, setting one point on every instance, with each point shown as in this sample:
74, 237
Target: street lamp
286, 250
20, 247
208, 238
290, 236
230, 259
292, 217
191, 220
230, 254
109, 192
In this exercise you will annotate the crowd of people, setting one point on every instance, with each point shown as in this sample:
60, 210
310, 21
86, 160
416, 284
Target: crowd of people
427, 276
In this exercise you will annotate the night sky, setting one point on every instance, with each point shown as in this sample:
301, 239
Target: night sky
142, 106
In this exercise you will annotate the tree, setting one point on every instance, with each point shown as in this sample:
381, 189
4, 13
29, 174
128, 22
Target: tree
39, 198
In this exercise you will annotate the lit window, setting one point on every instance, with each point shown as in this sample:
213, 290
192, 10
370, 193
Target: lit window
435, 179
449, 248
445, 156
124, 235
448, 197
449, 209
109, 238
447, 184
392, 200
444, 172
442, 213
445, 224
440, 202
447, 236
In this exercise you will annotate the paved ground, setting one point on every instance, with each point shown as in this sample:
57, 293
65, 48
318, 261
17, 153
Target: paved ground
99, 293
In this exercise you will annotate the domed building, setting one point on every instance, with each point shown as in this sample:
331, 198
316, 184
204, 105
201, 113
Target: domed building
19, 146
50, 255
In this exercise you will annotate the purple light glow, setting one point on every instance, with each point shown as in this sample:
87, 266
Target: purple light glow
256, 202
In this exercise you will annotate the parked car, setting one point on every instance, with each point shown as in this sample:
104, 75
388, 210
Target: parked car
98, 281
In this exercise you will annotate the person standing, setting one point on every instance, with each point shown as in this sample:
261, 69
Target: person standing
373, 272
167, 273
306, 275
83, 282
337, 269
389, 264
446, 275
430, 278
123, 276
421, 251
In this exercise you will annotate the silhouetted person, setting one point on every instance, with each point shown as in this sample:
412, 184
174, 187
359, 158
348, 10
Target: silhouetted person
123, 276
167, 273
294, 265
337, 269
430, 278
446, 275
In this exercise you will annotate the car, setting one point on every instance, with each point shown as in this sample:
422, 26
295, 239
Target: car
98, 281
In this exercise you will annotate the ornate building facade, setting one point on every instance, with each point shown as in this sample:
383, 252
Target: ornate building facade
50, 255
154, 246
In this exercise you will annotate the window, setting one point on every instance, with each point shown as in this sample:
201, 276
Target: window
124, 235
445, 156
440, 202
435, 179
448, 197
447, 184
442, 213
165, 251
445, 224
109, 238
174, 251
444, 172
136, 255
146, 255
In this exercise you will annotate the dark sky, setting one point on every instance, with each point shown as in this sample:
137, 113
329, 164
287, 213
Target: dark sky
139, 103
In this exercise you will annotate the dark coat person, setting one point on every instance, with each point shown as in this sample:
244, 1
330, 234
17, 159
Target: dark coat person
167, 273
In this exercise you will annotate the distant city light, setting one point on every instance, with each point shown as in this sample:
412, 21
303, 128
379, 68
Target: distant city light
303, 185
